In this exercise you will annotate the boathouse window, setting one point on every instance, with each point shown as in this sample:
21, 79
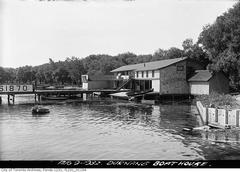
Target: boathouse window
137, 74
147, 74
142, 74
180, 68
153, 73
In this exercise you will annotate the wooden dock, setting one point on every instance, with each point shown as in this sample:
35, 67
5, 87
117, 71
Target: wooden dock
64, 91
57, 92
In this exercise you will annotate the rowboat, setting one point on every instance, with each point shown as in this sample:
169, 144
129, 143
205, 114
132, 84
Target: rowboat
139, 93
40, 110
54, 98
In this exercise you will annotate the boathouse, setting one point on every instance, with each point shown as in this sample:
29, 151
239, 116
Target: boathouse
164, 76
97, 82
206, 82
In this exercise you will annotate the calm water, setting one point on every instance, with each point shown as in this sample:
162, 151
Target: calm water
104, 130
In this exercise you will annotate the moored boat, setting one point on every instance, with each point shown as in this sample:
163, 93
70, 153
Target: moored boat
40, 110
54, 98
138, 93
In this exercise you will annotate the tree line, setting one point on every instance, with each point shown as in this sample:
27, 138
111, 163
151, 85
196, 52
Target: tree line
217, 48
70, 70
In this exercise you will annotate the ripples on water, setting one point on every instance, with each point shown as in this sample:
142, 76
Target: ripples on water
104, 130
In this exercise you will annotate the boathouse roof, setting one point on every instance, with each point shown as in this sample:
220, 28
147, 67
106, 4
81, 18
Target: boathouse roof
201, 75
149, 65
128, 67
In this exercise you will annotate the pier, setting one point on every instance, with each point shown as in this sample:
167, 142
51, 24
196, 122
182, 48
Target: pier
38, 94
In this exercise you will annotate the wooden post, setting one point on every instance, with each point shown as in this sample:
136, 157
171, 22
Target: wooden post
206, 135
226, 137
216, 136
144, 84
237, 136
13, 98
237, 118
84, 96
216, 115
39, 98
226, 117
8, 99
206, 122
139, 81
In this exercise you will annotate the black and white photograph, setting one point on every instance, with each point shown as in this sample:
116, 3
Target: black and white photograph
120, 83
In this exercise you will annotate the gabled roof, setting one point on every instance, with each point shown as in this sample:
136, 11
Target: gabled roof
128, 67
149, 65
202, 75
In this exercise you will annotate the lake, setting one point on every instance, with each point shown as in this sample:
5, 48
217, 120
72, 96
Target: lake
108, 130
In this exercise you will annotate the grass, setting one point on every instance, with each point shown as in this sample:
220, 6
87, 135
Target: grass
219, 100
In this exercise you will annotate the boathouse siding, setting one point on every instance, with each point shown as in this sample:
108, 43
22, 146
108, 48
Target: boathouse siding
152, 75
206, 82
165, 76
168, 80
173, 79
97, 82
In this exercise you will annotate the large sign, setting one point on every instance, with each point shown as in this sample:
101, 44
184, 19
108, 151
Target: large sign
15, 88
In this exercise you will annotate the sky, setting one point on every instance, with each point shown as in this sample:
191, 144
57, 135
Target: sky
32, 32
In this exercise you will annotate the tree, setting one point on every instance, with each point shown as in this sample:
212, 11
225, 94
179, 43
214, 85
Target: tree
171, 53
187, 45
195, 52
221, 41
160, 54
174, 52
3, 75
128, 58
75, 69
144, 58
61, 75
25, 74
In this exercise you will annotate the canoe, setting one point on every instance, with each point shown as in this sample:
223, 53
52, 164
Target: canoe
140, 93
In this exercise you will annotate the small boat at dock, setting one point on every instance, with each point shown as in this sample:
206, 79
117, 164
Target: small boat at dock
40, 110
54, 98
138, 93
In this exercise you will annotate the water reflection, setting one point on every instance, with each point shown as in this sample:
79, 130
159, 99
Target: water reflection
107, 130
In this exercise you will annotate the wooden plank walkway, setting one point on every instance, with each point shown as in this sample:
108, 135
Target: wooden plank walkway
64, 91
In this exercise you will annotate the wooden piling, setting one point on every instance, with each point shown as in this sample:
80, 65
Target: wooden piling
8, 99
13, 98
226, 117
237, 136
84, 96
237, 118
206, 122
39, 98
216, 115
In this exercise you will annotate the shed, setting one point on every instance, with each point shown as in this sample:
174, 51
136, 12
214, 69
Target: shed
206, 82
97, 82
